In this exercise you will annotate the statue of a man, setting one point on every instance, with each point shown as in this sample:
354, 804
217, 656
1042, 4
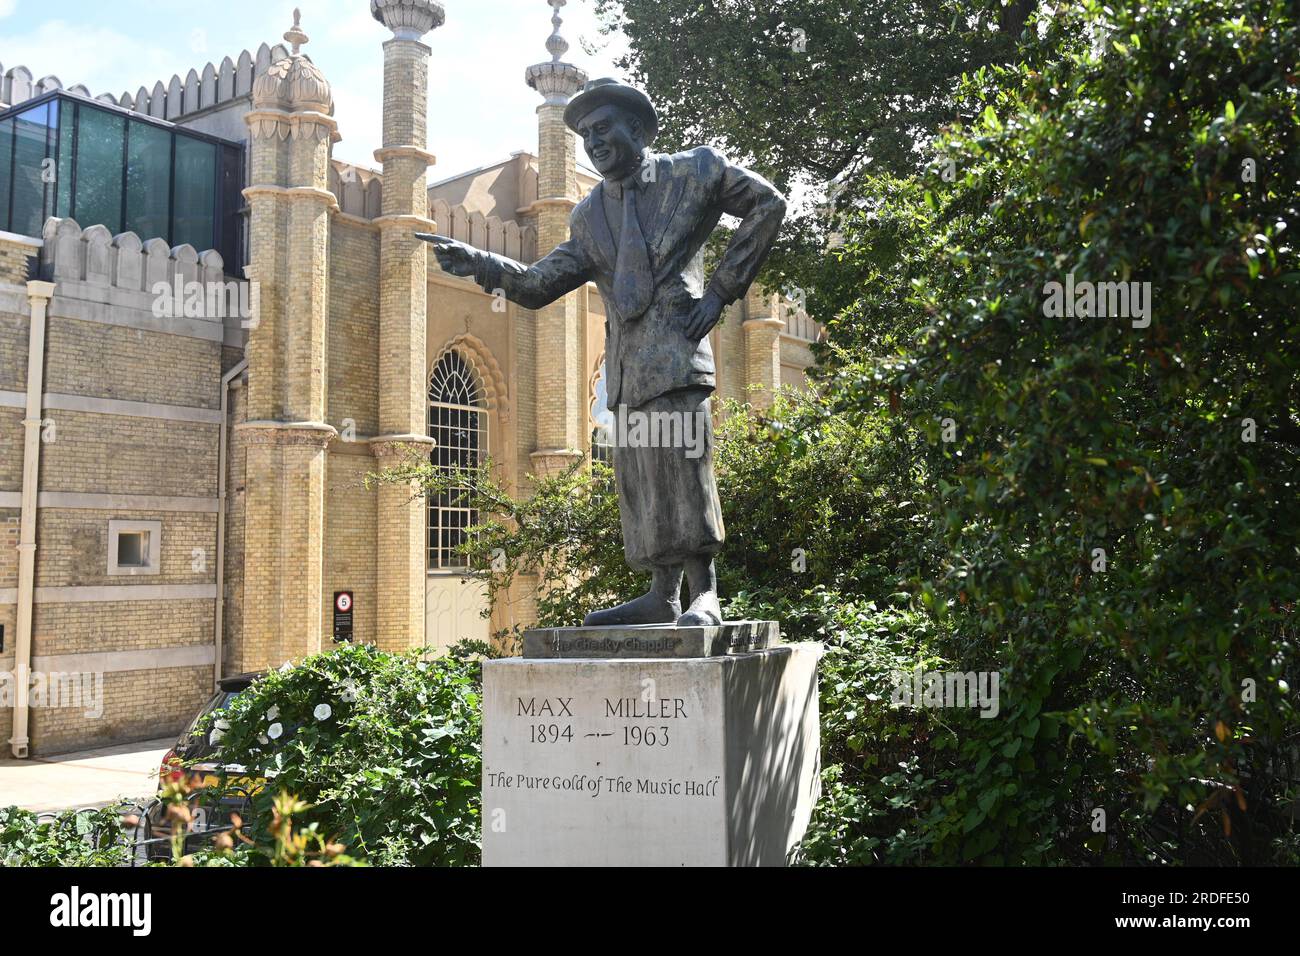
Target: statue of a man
638, 235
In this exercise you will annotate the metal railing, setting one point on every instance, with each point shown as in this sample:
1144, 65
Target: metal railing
149, 836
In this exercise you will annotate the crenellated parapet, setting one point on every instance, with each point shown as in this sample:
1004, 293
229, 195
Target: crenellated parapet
359, 189
18, 85
489, 233
125, 261
201, 89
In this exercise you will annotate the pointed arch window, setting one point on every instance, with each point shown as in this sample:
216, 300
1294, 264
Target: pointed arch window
458, 424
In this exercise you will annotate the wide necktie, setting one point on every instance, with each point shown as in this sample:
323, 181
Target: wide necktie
633, 282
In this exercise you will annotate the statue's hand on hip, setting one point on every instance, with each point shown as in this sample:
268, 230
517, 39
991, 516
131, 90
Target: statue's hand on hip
454, 257
704, 316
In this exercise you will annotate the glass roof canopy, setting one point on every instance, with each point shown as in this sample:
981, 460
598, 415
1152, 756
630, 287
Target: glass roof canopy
67, 156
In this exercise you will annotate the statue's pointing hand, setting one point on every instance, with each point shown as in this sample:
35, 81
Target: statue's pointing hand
455, 257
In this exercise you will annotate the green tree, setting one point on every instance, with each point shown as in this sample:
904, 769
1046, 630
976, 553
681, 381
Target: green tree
771, 81
819, 95
1114, 495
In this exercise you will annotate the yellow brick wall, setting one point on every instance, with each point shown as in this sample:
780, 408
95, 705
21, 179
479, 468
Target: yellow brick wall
230, 357
13, 351
109, 361
350, 542
111, 454
9, 525
11, 449
100, 453
138, 705
8, 579
728, 341
353, 328
9, 619
92, 627
282, 564
14, 261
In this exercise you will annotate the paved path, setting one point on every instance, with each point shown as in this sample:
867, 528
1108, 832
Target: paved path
85, 779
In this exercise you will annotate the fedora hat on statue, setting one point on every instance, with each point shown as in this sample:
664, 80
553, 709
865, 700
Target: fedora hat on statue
608, 90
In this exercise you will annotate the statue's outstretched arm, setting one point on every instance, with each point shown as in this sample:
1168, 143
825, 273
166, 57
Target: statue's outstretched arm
562, 270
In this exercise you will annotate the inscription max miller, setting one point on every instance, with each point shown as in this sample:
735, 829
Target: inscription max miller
628, 708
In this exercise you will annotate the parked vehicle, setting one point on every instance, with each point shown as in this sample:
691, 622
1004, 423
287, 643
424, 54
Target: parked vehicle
196, 758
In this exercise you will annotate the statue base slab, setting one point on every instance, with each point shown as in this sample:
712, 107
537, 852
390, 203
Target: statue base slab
700, 761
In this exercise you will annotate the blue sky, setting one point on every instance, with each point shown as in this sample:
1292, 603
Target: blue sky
480, 109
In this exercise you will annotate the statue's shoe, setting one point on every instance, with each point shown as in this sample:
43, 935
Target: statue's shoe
704, 612
649, 608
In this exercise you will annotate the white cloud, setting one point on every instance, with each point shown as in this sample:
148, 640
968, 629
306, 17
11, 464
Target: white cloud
7, 7
102, 59
480, 108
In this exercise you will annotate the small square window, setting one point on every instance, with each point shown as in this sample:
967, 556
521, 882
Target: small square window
134, 547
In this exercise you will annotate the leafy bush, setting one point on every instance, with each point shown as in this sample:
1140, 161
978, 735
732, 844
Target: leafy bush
382, 752
290, 846
880, 763
73, 838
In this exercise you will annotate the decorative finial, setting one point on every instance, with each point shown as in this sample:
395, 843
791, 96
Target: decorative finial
295, 35
556, 80
556, 45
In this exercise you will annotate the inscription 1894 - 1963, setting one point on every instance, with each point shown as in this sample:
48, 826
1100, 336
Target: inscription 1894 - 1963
644, 708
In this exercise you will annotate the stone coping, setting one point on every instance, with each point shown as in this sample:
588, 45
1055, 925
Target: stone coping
650, 641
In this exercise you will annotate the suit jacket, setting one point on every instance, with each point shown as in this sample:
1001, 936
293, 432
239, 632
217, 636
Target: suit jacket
678, 209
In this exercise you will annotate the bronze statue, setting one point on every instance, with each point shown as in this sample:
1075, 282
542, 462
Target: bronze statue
638, 235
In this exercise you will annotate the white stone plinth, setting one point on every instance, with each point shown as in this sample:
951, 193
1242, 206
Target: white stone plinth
709, 761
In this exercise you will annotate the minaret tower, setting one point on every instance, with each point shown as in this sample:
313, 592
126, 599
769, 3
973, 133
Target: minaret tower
561, 378
401, 552
291, 134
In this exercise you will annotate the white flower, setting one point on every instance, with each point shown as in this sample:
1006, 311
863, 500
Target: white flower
261, 739
287, 666
273, 713
349, 693
221, 724
275, 731
323, 711
214, 738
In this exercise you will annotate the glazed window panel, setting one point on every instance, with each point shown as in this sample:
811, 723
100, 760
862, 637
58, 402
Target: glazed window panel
148, 180
194, 220
63, 188
101, 137
31, 148
6, 168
